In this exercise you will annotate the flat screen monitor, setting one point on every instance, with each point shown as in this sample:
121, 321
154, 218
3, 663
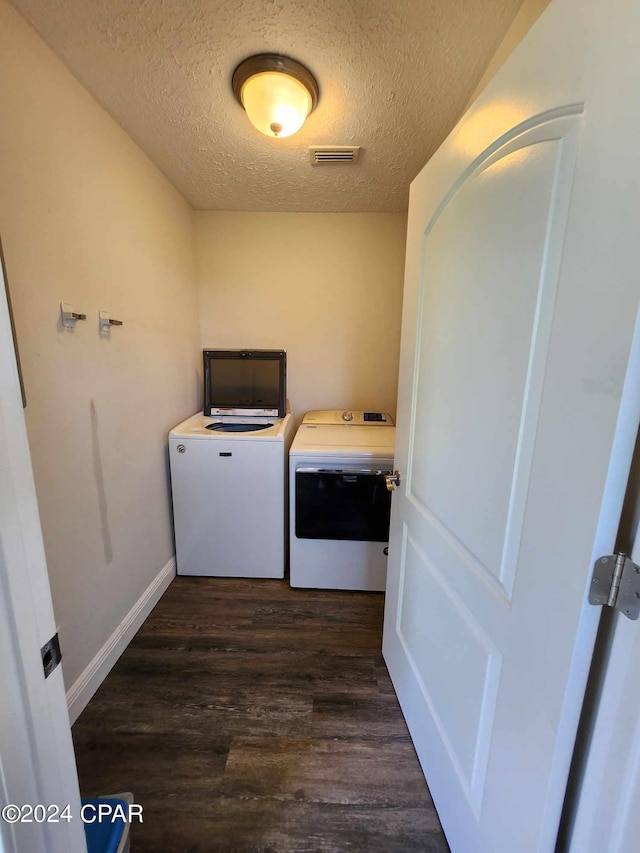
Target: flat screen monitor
251, 383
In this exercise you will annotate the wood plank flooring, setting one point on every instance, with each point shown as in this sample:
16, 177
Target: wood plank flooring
247, 717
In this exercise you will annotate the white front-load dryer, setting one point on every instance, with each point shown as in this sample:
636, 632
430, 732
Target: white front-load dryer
339, 502
229, 494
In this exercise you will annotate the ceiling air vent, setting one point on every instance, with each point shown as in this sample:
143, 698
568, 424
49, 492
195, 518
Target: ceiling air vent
320, 154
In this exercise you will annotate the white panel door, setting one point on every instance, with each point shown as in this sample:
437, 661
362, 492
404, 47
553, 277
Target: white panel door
515, 424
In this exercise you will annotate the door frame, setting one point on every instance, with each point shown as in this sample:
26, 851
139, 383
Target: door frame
38, 714
605, 764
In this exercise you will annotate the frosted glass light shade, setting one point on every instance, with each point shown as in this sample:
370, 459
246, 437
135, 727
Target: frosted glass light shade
277, 93
277, 105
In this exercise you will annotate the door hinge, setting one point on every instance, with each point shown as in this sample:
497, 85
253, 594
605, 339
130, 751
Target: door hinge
51, 655
616, 583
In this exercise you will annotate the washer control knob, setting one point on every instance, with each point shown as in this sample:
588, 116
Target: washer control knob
181, 448
347, 416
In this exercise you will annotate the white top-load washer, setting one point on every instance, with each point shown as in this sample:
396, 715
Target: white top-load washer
229, 496
339, 502
229, 468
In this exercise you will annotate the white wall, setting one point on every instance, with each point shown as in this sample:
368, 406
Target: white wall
527, 15
327, 287
86, 218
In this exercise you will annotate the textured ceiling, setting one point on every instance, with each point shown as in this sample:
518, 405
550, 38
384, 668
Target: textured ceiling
394, 76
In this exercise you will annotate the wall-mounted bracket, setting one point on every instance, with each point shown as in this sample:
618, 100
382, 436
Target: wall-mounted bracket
70, 316
106, 322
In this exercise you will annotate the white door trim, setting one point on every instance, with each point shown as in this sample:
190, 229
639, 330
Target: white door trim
607, 792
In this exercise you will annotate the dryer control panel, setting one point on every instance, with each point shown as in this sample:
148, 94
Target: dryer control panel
348, 417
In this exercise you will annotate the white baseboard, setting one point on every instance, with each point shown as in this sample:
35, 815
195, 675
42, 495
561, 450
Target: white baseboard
94, 674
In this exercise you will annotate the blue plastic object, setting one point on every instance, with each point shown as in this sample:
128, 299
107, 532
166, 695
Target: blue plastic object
104, 836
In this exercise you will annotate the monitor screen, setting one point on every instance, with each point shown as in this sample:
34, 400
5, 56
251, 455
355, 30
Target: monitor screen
244, 382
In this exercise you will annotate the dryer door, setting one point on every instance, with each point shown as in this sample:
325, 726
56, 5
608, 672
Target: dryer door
343, 504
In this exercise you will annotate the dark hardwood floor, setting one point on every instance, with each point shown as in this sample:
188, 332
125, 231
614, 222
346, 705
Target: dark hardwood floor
246, 716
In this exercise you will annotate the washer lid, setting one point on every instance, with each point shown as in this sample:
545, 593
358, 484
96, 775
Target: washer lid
196, 427
343, 440
348, 417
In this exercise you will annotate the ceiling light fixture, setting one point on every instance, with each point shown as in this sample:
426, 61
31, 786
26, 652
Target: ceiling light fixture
276, 92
